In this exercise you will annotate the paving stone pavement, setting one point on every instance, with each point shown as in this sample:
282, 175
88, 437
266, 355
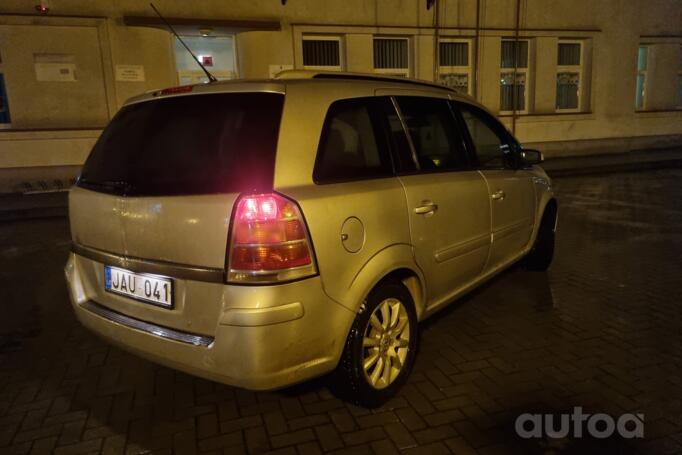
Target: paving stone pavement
601, 330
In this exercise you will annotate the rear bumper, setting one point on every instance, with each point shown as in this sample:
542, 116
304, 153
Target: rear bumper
264, 337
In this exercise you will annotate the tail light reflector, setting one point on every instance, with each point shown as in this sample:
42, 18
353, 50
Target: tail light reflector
269, 241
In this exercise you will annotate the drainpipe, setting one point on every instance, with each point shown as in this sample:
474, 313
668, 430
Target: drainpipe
516, 64
476, 44
436, 44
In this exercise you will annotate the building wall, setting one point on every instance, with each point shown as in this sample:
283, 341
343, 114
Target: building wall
55, 123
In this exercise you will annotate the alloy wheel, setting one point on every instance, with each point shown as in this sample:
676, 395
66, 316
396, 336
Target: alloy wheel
385, 343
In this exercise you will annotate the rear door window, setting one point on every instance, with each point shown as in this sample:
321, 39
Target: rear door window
353, 144
436, 138
193, 144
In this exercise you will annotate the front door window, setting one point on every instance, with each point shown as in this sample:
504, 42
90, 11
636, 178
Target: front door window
493, 149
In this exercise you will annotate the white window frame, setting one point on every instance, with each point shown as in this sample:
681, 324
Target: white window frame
467, 70
313, 37
579, 68
643, 72
525, 71
404, 72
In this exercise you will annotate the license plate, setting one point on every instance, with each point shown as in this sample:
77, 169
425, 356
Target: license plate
140, 286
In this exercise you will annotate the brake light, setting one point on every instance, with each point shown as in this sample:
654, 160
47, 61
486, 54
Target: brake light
269, 241
178, 89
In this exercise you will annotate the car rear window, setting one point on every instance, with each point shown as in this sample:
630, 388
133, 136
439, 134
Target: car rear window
194, 144
352, 145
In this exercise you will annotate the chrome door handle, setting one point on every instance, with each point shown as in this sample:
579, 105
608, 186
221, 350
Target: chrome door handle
426, 208
498, 195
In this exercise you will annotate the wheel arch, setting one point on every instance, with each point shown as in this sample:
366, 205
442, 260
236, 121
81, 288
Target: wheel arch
549, 204
552, 206
411, 280
392, 263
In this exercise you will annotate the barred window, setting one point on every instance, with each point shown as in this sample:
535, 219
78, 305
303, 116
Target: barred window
514, 90
569, 76
455, 81
641, 81
567, 87
4, 107
454, 54
679, 81
569, 54
509, 100
322, 52
454, 64
391, 54
513, 51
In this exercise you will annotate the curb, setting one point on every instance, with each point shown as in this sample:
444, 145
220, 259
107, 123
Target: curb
18, 206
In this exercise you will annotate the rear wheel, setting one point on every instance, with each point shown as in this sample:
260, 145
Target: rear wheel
542, 253
380, 349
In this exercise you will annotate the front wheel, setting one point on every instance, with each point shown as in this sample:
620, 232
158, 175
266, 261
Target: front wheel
380, 348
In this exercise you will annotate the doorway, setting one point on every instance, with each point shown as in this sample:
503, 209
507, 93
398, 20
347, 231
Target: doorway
216, 53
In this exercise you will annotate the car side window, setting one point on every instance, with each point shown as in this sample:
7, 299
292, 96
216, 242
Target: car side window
353, 145
434, 133
493, 148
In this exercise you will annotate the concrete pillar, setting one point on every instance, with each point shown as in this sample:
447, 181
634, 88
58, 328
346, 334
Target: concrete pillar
489, 72
151, 48
256, 51
425, 61
359, 53
544, 74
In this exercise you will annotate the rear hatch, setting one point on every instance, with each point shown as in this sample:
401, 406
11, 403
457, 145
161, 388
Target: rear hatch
160, 182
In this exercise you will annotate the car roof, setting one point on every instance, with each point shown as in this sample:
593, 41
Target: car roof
279, 83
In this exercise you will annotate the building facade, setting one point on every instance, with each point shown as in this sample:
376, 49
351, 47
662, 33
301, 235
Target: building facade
567, 76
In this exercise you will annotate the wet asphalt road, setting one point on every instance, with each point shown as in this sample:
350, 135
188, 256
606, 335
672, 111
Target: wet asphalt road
601, 330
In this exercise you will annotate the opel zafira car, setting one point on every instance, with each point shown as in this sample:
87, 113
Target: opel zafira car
261, 233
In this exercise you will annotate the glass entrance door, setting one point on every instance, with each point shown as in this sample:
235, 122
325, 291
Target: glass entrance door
217, 54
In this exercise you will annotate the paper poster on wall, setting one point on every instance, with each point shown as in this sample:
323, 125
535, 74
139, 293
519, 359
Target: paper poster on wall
130, 73
206, 60
55, 67
274, 69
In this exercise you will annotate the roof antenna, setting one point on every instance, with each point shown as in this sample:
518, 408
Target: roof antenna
210, 76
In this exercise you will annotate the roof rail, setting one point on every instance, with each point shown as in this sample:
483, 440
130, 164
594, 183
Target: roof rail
308, 74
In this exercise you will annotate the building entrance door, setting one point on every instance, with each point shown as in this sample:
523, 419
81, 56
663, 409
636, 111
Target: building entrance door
216, 53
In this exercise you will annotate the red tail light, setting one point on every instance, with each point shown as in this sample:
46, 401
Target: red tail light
269, 241
178, 89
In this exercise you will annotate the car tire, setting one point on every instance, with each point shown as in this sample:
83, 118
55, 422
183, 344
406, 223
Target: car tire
540, 256
384, 336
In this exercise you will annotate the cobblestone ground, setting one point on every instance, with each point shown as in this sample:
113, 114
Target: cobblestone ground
601, 330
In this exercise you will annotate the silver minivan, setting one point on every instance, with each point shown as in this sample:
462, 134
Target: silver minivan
261, 233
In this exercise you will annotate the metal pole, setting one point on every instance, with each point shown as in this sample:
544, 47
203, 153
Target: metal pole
436, 44
476, 44
516, 64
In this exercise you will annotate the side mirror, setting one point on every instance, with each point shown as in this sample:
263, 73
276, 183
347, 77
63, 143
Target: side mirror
530, 157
